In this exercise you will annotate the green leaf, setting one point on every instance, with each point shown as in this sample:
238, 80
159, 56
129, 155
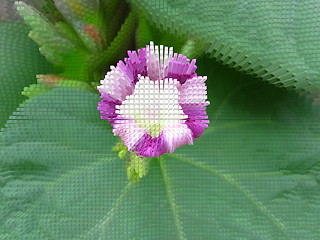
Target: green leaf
277, 42
50, 38
35, 90
47, 136
40, 88
253, 174
74, 65
107, 56
20, 61
81, 14
58, 42
146, 32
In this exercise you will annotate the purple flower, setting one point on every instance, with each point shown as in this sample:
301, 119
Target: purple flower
155, 101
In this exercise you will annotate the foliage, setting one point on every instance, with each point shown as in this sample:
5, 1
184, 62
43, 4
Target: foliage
270, 40
254, 174
17, 50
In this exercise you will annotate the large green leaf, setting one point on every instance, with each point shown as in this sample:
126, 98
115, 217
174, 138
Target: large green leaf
254, 174
278, 41
20, 61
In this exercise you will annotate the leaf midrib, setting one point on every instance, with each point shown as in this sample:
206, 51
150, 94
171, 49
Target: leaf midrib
171, 201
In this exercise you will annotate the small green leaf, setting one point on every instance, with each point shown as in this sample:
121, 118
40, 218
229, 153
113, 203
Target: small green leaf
35, 90
44, 32
40, 88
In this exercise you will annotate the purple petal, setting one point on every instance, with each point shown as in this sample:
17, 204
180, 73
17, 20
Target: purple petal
155, 63
180, 70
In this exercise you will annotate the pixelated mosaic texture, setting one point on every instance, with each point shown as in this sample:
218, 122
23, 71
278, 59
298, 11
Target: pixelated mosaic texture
276, 41
253, 174
155, 102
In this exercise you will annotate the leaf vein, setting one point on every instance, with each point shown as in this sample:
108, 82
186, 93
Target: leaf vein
228, 178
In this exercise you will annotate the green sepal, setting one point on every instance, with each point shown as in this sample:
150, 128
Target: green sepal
136, 166
119, 147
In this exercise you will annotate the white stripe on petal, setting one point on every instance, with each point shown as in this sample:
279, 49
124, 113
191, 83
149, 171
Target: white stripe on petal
117, 84
158, 59
193, 91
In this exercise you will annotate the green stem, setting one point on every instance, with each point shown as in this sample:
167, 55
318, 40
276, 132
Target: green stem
111, 8
144, 32
115, 22
106, 12
107, 56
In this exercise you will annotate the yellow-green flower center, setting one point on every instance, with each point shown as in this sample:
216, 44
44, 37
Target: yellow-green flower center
154, 126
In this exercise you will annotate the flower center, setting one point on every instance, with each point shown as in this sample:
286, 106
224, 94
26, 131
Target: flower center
153, 105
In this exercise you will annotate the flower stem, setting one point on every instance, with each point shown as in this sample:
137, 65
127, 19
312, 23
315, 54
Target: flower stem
106, 12
107, 56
